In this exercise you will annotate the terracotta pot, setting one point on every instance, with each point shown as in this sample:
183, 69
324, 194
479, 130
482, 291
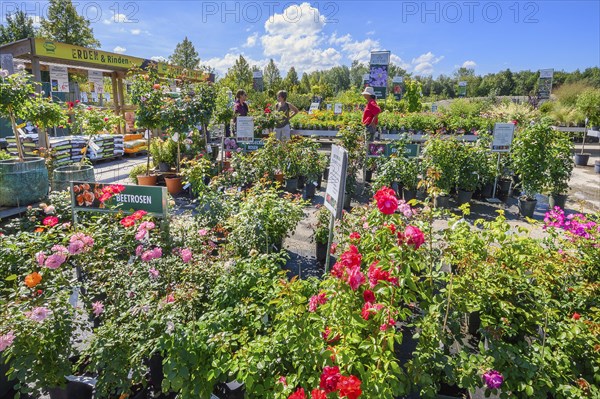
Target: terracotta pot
279, 177
144, 180
174, 185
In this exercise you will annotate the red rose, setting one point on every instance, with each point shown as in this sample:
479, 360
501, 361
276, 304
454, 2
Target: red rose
127, 221
299, 394
576, 316
329, 378
349, 387
318, 394
369, 296
355, 236
386, 200
333, 248
412, 236
137, 215
326, 334
351, 258
50, 221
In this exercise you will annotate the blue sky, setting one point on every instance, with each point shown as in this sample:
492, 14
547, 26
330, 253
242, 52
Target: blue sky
424, 37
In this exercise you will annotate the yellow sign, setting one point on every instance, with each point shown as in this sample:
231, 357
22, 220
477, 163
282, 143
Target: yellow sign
69, 52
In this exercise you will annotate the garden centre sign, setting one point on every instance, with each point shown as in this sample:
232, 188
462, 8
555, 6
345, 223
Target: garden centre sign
86, 197
410, 150
336, 182
503, 137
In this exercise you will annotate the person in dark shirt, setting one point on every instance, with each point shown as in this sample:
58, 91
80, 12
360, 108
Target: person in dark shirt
371, 111
240, 107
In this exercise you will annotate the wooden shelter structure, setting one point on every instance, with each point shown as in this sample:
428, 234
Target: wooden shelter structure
40, 52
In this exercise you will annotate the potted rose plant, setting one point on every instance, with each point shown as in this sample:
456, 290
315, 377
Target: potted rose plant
147, 95
22, 181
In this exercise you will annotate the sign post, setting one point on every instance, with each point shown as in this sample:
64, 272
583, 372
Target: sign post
545, 83
501, 142
334, 195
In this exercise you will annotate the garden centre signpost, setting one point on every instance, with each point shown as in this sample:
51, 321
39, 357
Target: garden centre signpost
545, 83
501, 142
85, 197
379, 72
336, 184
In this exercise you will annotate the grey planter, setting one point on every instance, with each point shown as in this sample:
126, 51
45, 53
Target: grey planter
23, 183
597, 166
582, 159
441, 201
557, 200
464, 197
527, 207
64, 175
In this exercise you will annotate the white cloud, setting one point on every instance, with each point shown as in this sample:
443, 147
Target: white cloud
222, 64
136, 31
158, 58
370, 33
469, 64
116, 18
360, 50
340, 40
295, 37
119, 50
423, 64
251, 40
394, 59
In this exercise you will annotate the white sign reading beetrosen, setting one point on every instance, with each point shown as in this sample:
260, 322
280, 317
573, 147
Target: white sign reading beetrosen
336, 182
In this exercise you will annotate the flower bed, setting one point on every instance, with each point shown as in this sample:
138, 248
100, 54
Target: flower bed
209, 298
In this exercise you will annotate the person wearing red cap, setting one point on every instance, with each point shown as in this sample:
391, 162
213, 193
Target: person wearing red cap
371, 111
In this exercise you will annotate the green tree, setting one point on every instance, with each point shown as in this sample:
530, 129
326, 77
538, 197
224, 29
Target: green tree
412, 95
185, 55
18, 26
291, 81
271, 76
239, 76
357, 70
66, 26
338, 78
305, 86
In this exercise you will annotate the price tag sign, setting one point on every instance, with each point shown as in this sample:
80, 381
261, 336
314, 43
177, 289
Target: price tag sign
503, 137
313, 107
337, 108
175, 137
336, 182
245, 128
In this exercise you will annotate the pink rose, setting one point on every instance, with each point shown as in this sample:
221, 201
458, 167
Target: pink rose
186, 255
97, 308
6, 340
38, 314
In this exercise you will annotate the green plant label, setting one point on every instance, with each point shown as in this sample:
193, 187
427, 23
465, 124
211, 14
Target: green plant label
410, 150
91, 197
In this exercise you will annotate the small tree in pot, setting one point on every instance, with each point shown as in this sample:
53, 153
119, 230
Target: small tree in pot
588, 103
147, 95
560, 167
530, 160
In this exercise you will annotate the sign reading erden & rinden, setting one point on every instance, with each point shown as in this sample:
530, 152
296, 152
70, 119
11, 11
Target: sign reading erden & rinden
69, 52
